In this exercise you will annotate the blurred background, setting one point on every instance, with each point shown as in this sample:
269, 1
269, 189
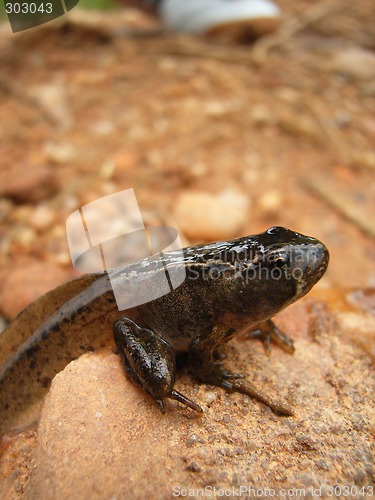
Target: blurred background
218, 138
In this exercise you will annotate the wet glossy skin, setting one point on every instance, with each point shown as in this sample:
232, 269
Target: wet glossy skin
230, 286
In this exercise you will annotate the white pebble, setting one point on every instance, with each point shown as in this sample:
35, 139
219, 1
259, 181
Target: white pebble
42, 217
207, 217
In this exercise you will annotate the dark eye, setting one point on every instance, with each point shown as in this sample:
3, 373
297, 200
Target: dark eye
278, 260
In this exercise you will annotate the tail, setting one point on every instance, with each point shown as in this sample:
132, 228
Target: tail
45, 336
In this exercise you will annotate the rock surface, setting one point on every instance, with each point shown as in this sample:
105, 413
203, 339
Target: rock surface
101, 437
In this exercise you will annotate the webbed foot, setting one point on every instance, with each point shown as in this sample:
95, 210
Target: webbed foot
235, 382
267, 332
210, 372
245, 387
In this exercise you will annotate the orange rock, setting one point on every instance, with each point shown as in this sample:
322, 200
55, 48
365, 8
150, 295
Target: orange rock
101, 437
26, 282
28, 184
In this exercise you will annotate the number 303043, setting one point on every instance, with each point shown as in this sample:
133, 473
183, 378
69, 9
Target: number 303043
28, 8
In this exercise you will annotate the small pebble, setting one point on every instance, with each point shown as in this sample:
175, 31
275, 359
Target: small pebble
103, 127
28, 183
365, 158
60, 152
58, 231
193, 439
198, 169
107, 170
20, 213
126, 160
208, 217
216, 109
42, 217
25, 236
261, 115
298, 125
209, 397
53, 98
193, 467
70, 202
270, 201
354, 63
167, 64
62, 258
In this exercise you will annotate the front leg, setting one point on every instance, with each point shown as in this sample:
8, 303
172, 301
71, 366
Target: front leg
149, 361
202, 357
207, 370
267, 331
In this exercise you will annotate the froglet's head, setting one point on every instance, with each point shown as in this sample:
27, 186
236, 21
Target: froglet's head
288, 255
270, 271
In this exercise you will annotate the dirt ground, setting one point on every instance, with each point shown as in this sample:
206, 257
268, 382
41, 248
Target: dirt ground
93, 104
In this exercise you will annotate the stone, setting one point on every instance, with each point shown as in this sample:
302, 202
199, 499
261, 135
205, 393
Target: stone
28, 183
60, 153
53, 98
204, 216
270, 201
100, 437
26, 281
42, 217
354, 62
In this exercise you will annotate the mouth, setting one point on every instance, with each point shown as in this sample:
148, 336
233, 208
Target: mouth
314, 266
321, 261
317, 259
